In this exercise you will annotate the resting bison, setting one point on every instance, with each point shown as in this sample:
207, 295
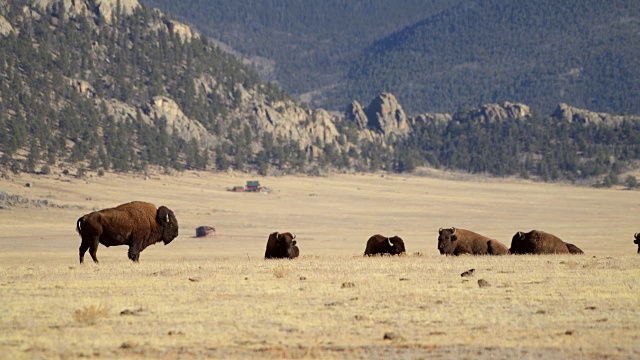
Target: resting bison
460, 241
137, 224
540, 242
637, 241
380, 245
281, 246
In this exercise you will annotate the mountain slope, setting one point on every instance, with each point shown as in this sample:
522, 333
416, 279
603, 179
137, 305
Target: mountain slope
125, 87
304, 45
540, 52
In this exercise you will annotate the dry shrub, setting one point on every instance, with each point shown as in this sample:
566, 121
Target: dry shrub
89, 315
280, 271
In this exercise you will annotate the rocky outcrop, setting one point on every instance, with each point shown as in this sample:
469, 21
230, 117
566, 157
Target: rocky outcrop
184, 127
437, 118
5, 26
383, 119
386, 115
491, 113
103, 8
356, 113
160, 106
572, 114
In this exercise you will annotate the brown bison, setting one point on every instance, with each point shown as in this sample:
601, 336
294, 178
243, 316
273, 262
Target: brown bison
380, 245
637, 241
460, 241
137, 224
281, 246
540, 242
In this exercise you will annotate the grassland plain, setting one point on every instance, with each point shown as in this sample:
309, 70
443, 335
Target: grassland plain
218, 298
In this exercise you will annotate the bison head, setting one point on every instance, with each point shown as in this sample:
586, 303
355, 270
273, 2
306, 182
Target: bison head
519, 245
395, 245
169, 223
637, 241
285, 245
447, 241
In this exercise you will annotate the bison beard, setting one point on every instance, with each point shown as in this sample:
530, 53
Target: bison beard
136, 224
381, 245
281, 246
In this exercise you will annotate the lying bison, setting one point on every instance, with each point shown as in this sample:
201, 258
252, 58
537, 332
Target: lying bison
281, 246
460, 241
380, 245
540, 242
637, 241
137, 224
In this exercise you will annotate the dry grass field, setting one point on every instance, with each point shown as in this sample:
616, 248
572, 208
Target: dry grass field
218, 298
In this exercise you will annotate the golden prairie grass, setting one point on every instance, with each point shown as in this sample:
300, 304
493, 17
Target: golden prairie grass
90, 314
218, 298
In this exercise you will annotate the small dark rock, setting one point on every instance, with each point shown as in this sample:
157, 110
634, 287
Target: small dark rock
194, 279
469, 272
175, 332
27, 185
483, 283
568, 332
303, 278
590, 308
127, 345
333, 303
348, 285
404, 279
391, 336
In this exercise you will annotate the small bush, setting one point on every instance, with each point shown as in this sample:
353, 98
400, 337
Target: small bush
89, 315
45, 170
100, 172
280, 271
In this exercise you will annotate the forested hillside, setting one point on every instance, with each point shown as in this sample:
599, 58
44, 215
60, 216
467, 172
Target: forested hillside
444, 56
304, 45
130, 89
540, 52
119, 87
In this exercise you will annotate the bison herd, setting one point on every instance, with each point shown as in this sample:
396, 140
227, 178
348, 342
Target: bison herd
140, 224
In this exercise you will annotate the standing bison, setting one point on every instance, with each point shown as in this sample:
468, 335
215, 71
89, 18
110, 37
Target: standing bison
540, 242
637, 241
281, 246
380, 245
137, 224
460, 241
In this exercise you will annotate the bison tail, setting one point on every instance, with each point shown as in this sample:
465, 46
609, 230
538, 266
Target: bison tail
78, 228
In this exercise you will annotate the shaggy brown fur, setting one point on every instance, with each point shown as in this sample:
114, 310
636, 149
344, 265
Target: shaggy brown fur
460, 241
574, 249
136, 224
540, 242
281, 246
380, 245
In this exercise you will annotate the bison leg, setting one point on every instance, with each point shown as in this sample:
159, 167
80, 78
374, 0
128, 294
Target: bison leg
83, 249
93, 249
134, 254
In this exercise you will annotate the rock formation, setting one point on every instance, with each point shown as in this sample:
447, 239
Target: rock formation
570, 114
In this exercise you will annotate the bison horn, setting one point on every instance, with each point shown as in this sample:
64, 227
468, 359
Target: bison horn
635, 235
294, 235
440, 231
453, 230
390, 243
